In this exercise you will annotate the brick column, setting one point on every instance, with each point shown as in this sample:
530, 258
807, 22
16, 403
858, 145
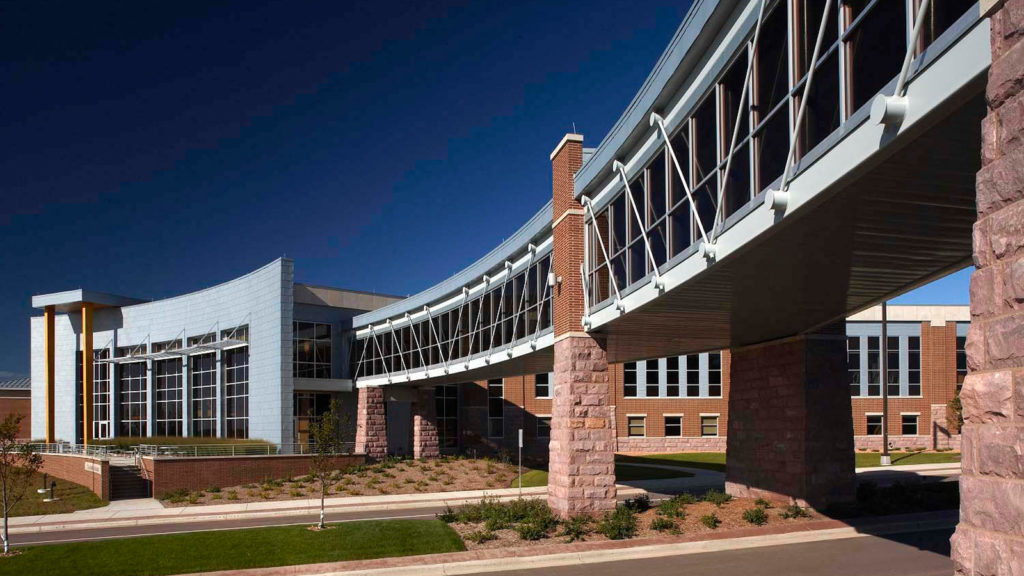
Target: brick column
582, 448
990, 536
424, 425
371, 423
790, 423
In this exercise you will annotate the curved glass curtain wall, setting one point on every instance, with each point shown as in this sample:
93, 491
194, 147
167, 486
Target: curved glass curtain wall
863, 49
508, 312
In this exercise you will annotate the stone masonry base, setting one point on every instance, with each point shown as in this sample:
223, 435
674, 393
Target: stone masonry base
424, 425
371, 424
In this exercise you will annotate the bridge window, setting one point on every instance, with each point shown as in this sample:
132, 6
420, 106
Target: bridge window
496, 408
940, 16
657, 190
679, 218
638, 261
737, 181
542, 385
875, 42
629, 380
822, 116
705, 161
311, 350
771, 110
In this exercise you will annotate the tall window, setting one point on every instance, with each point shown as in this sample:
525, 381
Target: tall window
168, 391
692, 375
672, 376
447, 404
311, 350
853, 364
715, 374
101, 395
652, 387
874, 366
203, 376
236, 391
542, 385
133, 396
961, 362
914, 365
629, 379
892, 366
496, 408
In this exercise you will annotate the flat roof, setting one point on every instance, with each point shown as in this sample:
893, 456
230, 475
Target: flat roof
937, 314
72, 300
16, 384
341, 298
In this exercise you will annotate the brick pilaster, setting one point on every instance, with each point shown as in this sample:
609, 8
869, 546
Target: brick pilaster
424, 425
371, 423
990, 536
790, 424
581, 468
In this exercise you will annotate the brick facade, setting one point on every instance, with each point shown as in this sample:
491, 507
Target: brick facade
371, 423
168, 474
790, 434
990, 536
20, 404
92, 473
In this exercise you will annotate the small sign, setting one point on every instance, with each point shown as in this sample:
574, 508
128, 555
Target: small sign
520, 437
93, 467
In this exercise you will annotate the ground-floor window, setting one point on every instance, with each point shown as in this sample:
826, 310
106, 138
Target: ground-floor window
203, 385
908, 424
167, 388
307, 407
542, 385
101, 395
874, 422
637, 426
446, 397
709, 425
543, 426
496, 408
133, 399
673, 426
236, 392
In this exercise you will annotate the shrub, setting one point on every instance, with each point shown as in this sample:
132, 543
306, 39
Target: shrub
685, 498
178, 495
577, 527
193, 498
662, 524
497, 523
619, 524
216, 496
531, 531
232, 495
672, 509
448, 516
710, 520
794, 511
716, 497
213, 489
641, 503
762, 503
295, 493
481, 536
756, 516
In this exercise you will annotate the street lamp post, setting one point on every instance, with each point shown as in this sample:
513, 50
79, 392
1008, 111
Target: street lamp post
884, 349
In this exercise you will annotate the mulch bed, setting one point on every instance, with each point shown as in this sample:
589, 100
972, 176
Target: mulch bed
388, 477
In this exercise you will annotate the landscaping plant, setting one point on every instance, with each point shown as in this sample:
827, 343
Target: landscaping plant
619, 524
710, 520
716, 497
18, 463
576, 527
662, 524
640, 504
794, 511
756, 516
326, 432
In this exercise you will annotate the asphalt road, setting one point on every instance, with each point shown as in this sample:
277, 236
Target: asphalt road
912, 554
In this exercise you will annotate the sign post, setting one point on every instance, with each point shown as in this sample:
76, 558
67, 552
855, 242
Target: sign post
520, 462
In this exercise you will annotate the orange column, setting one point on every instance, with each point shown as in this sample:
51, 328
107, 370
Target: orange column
87, 372
49, 369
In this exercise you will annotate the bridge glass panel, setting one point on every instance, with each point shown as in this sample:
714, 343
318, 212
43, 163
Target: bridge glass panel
771, 110
730, 90
939, 17
875, 41
822, 116
679, 216
705, 160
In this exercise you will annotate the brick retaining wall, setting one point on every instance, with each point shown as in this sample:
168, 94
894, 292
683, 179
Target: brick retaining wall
661, 444
168, 474
92, 473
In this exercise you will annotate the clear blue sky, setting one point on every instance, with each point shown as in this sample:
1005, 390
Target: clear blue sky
154, 148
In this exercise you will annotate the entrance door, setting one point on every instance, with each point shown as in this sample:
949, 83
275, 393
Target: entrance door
399, 425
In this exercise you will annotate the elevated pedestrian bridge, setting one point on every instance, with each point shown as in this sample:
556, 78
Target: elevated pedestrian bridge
784, 165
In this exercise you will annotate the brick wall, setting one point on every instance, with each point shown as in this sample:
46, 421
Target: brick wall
654, 445
567, 214
168, 474
18, 405
92, 473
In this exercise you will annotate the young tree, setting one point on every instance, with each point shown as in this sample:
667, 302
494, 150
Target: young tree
327, 432
18, 463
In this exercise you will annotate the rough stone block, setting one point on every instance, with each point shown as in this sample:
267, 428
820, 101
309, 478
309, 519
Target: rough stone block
987, 397
1000, 451
1006, 76
1004, 341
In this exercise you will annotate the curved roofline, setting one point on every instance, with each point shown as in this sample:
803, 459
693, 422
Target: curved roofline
636, 114
535, 226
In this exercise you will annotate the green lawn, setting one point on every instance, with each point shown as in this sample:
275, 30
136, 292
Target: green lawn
236, 549
622, 474
703, 460
871, 459
72, 497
